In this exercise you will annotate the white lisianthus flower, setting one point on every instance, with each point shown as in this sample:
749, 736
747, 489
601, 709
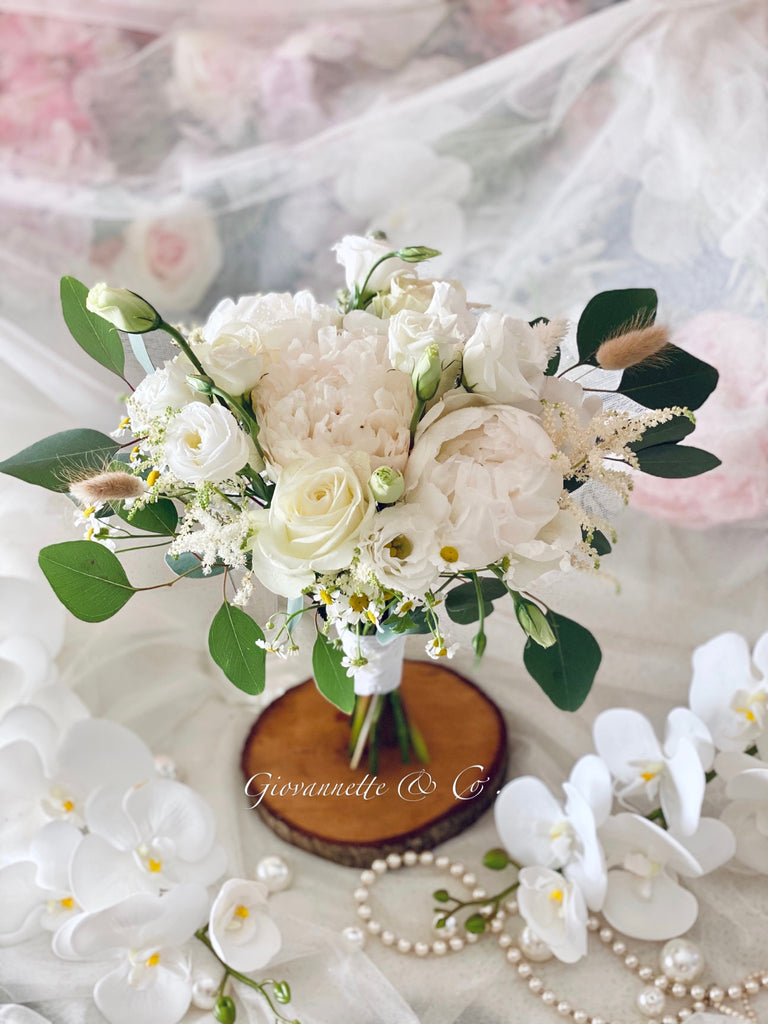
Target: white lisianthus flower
643, 898
505, 358
358, 255
336, 396
166, 388
555, 911
407, 291
241, 930
729, 691
445, 323
493, 468
320, 509
648, 773
537, 830
204, 443
401, 550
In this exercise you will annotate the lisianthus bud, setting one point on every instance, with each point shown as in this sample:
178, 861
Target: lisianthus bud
200, 383
387, 485
109, 486
416, 253
632, 348
427, 373
534, 623
125, 309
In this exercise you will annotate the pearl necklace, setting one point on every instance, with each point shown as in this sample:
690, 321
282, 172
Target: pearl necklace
680, 960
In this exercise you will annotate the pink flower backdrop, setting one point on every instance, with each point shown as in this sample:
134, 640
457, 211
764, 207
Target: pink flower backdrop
548, 148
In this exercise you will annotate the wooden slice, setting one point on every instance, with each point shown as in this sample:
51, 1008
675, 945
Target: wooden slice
296, 765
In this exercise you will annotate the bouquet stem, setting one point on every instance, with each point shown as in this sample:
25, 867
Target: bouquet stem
383, 719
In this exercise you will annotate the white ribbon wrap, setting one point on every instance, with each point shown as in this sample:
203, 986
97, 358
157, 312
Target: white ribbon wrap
384, 670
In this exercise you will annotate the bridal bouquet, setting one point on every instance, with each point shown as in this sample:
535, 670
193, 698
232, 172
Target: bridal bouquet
390, 465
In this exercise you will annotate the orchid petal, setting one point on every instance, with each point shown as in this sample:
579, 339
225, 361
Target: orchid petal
684, 723
751, 784
168, 808
161, 996
622, 736
525, 811
712, 844
682, 789
100, 752
205, 871
657, 911
741, 817
587, 870
592, 778
105, 816
242, 933
101, 875
721, 667
52, 850
760, 655
626, 834
22, 902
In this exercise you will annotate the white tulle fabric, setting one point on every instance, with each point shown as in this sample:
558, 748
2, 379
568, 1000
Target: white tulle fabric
627, 148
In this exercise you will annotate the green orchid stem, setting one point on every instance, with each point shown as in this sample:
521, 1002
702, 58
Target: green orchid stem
418, 412
184, 345
493, 901
230, 972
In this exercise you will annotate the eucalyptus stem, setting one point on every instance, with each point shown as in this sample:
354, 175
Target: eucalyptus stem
184, 345
418, 412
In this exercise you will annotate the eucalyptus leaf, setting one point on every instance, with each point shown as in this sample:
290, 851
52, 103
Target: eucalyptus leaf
92, 333
597, 541
87, 578
673, 430
676, 461
232, 644
566, 670
612, 313
675, 377
159, 517
57, 460
190, 561
331, 676
461, 602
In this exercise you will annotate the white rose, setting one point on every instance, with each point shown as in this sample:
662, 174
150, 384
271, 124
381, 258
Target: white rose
205, 443
505, 358
492, 466
445, 323
164, 389
319, 510
338, 395
402, 550
171, 259
358, 255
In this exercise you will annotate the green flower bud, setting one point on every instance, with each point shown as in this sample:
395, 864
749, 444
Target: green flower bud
534, 623
282, 992
427, 373
200, 383
416, 253
125, 309
387, 485
225, 1011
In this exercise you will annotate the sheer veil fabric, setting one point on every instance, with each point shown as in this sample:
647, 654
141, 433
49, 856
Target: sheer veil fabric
626, 148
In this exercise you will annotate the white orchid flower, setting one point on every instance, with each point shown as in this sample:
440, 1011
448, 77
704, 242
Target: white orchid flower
536, 829
35, 893
241, 930
155, 836
647, 773
14, 1013
643, 898
144, 933
554, 909
729, 691
747, 814
25, 668
44, 776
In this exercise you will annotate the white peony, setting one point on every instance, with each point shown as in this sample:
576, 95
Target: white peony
505, 358
488, 472
445, 323
205, 443
338, 395
402, 551
358, 256
319, 511
166, 388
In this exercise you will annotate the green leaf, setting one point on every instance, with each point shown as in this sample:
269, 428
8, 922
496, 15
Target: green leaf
597, 541
232, 643
441, 895
413, 621
674, 378
676, 461
330, 675
496, 860
565, 671
663, 433
612, 313
190, 561
92, 333
159, 517
87, 578
61, 458
461, 602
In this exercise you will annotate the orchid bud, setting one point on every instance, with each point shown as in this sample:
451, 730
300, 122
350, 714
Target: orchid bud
427, 373
123, 308
534, 623
225, 1011
387, 485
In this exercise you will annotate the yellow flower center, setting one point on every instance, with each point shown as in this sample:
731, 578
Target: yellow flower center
242, 911
406, 607
124, 422
153, 477
155, 866
449, 554
153, 960
399, 547
648, 776
193, 439
748, 714
89, 511
325, 597
556, 895
67, 903
89, 533
68, 805
358, 603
